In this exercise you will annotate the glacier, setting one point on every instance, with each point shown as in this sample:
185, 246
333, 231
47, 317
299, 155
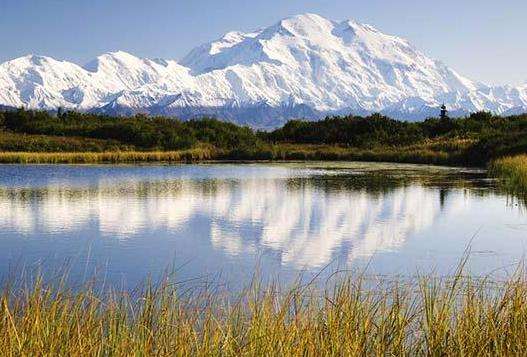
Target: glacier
304, 66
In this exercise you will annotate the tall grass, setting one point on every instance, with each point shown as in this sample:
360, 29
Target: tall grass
513, 171
435, 317
439, 152
196, 154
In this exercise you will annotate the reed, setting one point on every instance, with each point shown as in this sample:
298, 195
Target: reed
513, 172
438, 152
196, 154
355, 317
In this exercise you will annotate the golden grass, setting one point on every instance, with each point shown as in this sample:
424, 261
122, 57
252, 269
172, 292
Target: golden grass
513, 171
196, 154
433, 317
439, 152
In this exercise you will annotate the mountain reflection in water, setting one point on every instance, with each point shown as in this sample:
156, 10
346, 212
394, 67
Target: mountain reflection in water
307, 217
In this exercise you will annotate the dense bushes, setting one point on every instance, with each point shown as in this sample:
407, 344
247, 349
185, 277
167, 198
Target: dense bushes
350, 131
378, 130
21, 142
491, 136
138, 131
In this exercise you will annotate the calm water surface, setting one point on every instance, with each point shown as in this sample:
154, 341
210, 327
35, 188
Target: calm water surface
127, 222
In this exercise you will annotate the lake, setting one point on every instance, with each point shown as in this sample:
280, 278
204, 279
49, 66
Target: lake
124, 223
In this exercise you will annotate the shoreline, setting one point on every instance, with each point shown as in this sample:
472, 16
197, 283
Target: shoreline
208, 155
257, 162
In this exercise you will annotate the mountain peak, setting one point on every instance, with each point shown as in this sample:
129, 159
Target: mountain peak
118, 56
121, 55
304, 25
306, 19
30, 60
112, 59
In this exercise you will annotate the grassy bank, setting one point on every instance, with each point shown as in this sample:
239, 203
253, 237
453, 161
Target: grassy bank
439, 152
196, 155
513, 172
431, 317
191, 155
470, 141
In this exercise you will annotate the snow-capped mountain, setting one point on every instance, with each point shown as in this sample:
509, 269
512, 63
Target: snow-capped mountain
303, 66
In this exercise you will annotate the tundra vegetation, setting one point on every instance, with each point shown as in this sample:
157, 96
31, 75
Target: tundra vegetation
480, 139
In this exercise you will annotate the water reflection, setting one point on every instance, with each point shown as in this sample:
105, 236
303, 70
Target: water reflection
306, 217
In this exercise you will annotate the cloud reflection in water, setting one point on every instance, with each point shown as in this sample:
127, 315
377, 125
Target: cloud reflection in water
306, 220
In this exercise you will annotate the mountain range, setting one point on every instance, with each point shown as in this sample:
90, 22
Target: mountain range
304, 66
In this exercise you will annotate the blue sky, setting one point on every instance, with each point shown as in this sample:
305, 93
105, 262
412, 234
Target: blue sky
484, 40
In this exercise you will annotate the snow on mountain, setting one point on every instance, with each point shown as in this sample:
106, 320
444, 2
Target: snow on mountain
303, 65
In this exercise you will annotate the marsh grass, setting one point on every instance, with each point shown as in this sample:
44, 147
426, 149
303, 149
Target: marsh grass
437, 151
195, 154
335, 153
513, 172
440, 152
354, 317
